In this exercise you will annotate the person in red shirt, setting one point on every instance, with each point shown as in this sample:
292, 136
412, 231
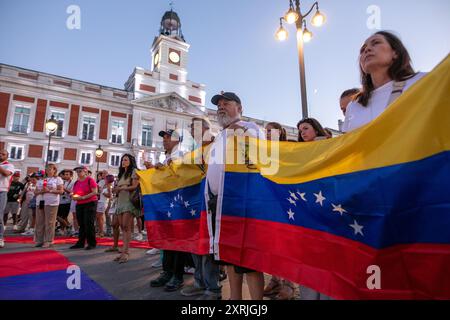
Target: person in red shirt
85, 194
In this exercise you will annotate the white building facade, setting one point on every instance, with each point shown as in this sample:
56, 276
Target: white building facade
90, 115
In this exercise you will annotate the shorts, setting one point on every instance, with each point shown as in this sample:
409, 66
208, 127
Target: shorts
73, 206
63, 210
101, 207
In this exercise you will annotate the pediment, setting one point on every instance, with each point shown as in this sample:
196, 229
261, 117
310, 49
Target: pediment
169, 102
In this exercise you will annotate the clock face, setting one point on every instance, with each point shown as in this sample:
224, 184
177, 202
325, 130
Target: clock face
156, 59
174, 57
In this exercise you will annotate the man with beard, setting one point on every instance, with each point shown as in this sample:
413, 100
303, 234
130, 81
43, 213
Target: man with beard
229, 113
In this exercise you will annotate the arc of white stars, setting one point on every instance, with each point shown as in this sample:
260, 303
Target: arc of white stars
291, 214
358, 228
320, 198
339, 209
302, 195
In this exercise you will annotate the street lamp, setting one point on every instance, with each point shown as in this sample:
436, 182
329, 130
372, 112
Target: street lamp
51, 125
98, 155
294, 15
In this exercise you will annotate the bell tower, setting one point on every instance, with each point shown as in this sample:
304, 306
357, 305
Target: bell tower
170, 50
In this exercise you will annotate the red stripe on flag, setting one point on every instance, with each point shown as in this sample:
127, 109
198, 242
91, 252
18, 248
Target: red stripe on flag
179, 235
15, 264
333, 265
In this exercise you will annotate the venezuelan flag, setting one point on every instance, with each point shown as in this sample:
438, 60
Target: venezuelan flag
362, 216
174, 207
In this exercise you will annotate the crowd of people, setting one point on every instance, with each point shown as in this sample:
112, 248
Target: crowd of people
48, 198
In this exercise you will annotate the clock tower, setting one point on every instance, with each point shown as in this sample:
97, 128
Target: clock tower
168, 72
169, 50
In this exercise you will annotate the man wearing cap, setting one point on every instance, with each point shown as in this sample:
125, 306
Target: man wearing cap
13, 204
173, 262
6, 170
229, 113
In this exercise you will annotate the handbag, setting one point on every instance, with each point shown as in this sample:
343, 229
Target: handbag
135, 198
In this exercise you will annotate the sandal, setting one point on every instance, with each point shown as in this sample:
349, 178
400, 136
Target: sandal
287, 292
112, 249
273, 287
124, 258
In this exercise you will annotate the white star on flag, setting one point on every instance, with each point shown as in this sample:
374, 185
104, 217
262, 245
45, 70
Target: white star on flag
320, 198
339, 209
291, 201
293, 196
175, 198
291, 214
357, 228
172, 205
302, 195
193, 212
169, 214
186, 204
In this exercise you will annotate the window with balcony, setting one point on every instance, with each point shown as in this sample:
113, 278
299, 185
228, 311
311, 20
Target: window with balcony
117, 130
21, 119
147, 135
88, 132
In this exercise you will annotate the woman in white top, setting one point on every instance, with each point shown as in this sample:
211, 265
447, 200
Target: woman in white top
386, 72
48, 192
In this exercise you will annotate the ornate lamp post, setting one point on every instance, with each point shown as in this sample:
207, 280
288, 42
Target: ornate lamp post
294, 15
51, 125
98, 155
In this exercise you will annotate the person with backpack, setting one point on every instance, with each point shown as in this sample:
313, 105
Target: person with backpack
84, 192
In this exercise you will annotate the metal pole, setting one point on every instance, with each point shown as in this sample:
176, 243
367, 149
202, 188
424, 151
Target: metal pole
48, 148
301, 60
98, 162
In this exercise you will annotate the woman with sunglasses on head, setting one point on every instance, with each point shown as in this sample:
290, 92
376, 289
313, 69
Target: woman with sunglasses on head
386, 72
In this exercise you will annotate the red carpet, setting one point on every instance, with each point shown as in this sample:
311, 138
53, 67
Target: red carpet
69, 240
15, 264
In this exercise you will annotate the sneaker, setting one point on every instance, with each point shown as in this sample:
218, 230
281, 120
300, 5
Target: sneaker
174, 284
162, 280
15, 227
29, 232
157, 264
2, 243
192, 291
153, 251
138, 237
209, 295
189, 270
47, 245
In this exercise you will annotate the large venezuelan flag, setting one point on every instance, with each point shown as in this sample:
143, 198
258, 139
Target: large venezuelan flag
174, 207
362, 216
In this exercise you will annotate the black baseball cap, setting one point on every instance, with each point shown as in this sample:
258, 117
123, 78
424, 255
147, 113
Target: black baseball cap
225, 95
170, 132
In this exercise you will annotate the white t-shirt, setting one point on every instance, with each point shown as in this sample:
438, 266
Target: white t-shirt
357, 115
50, 199
5, 180
217, 153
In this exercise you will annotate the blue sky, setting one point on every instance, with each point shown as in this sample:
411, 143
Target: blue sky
232, 45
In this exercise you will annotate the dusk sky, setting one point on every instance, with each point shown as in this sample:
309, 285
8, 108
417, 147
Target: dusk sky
233, 47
